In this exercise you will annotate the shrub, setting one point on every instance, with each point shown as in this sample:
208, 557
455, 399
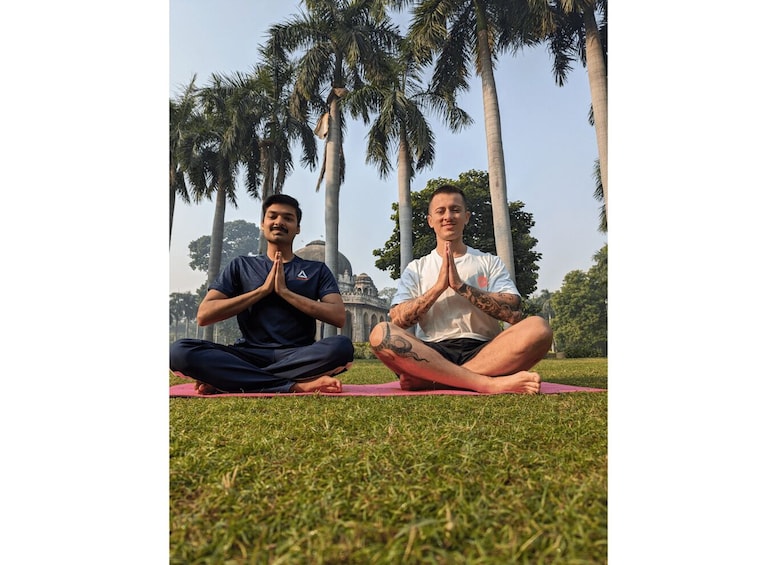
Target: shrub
581, 350
362, 350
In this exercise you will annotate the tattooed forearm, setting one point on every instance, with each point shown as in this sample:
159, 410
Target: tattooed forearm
408, 313
502, 306
398, 345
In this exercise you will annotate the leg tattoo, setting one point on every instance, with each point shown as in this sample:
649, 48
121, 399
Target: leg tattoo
397, 345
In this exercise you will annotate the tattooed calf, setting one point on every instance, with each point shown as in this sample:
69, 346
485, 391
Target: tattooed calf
397, 345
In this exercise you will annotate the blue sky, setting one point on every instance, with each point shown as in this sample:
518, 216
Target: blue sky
549, 148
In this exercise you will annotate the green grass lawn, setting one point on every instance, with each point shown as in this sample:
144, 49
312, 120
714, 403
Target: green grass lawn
426, 479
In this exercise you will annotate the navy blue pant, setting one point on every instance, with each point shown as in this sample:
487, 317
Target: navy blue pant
246, 368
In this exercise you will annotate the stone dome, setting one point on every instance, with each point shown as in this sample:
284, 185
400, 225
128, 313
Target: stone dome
363, 285
314, 251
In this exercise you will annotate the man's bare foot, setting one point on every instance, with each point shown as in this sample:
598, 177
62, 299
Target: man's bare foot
205, 388
321, 384
409, 382
523, 382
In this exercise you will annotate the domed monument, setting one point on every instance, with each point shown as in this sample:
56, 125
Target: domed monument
314, 251
364, 309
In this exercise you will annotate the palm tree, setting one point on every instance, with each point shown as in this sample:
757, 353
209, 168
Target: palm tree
343, 43
464, 32
183, 306
189, 308
262, 129
181, 112
576, 35
176, 312
270, 158
212, 162
399, 103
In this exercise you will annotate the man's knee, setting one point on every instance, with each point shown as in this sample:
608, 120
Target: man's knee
540, 330
179, 353
377, 334
342, 348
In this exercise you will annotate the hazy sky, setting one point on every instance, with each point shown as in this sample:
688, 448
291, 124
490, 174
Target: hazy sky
549, 148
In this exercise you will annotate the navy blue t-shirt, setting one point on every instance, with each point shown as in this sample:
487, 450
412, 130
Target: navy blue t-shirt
273, 322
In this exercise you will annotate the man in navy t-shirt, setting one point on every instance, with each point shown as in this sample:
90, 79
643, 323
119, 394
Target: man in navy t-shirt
277, 299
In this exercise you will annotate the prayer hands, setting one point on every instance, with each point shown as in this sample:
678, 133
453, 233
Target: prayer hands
280, 276
276, 278
449, 275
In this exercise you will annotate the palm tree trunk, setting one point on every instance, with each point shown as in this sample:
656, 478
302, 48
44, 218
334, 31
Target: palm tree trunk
405, 208
216, 246
597, 81
497, 178
172, 209
267, 190
332, 196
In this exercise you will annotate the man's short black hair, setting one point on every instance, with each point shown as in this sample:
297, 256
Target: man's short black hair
448, 189
282, 199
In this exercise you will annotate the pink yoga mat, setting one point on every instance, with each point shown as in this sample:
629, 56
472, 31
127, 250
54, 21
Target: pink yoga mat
383, 389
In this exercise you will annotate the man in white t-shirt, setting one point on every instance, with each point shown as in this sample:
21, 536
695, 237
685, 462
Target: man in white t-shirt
456, 297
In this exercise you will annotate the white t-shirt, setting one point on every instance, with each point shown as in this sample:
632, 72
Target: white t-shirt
453, 316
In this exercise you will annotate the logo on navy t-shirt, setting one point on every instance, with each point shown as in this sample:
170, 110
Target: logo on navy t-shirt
302, 276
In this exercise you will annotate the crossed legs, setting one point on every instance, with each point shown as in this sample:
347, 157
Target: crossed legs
227, 368
501, 366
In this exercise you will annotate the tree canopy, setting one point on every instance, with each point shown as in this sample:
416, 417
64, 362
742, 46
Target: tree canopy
580, 311
479, 233
240, 238
183, 306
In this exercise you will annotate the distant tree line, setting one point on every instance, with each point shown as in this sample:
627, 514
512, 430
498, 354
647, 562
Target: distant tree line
577, 312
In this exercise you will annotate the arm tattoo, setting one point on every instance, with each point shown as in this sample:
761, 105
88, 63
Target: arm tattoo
397, 345
409, 313
501, 305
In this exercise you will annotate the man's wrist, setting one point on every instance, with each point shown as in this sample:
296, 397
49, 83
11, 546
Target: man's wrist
462, 288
